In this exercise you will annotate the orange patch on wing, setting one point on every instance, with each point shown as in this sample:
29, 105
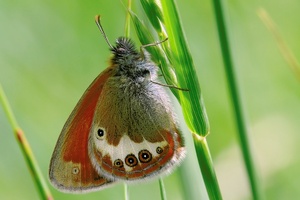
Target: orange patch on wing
156, 163
150, 167
74, 136
107, 164
169, 150
179, 138
89, 175
79, 123
136, 172
119, 171
104, 162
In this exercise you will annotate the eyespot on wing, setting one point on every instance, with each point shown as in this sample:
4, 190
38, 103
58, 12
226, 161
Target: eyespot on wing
145, 159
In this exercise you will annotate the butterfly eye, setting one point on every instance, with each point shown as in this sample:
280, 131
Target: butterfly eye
100, 134
131, 160
121, 50
145, 73
159, 150
118, 163
145, 156
75, 170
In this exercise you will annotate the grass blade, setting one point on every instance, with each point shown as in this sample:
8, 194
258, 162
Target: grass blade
26, 150
286, 52
235, 96
163, 195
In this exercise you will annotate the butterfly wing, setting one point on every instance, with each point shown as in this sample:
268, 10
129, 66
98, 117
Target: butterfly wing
71, 169
134, 134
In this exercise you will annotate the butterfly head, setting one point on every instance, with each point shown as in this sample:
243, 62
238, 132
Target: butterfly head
131, 63
124, 52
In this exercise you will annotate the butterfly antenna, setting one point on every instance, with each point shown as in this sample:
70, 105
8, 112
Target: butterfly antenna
150, 45
97, 20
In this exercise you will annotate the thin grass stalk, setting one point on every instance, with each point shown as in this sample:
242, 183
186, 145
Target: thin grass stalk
32, 164
206, 165
286, 52
163, 195
235, 97
126, 194
127, 21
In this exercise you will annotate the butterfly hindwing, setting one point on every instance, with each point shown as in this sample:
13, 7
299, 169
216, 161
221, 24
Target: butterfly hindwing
133, 134
131, 161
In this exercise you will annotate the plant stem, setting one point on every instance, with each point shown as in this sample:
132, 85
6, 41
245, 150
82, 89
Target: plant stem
127, 21
126, 197
206, 166
163, 195
26, 150
235, 96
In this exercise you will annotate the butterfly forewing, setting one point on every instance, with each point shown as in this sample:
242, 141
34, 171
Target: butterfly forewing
71, 169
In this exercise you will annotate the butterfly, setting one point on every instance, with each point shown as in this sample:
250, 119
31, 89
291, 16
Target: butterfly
122, 129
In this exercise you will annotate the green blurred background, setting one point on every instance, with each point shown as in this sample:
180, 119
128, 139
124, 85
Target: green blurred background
50, 51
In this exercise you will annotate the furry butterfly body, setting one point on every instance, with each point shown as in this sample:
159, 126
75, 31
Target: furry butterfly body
122, 129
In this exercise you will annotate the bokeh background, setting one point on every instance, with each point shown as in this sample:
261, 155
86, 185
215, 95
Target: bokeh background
50, 51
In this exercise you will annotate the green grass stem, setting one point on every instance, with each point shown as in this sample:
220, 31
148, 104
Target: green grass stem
163, 195
127, 21
286, 52
32, 164
236, 101
206, 164
126, 194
